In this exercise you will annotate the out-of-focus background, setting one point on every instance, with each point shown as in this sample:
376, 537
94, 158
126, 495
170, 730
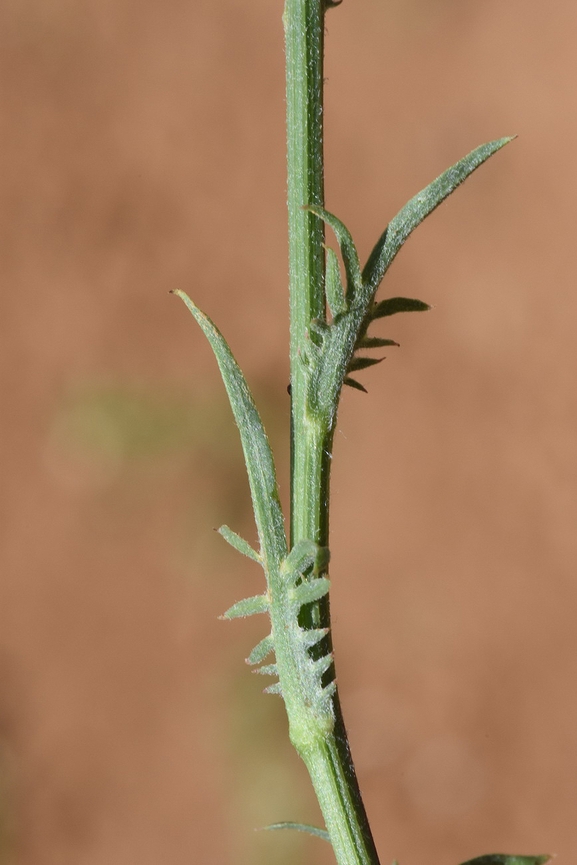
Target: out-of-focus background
142, 149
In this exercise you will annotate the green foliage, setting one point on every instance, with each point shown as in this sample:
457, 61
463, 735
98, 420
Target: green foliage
323, 354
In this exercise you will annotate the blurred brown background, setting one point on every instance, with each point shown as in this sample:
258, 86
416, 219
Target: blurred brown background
142, 149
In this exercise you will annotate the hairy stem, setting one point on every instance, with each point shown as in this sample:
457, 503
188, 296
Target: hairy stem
328, 758
304, 30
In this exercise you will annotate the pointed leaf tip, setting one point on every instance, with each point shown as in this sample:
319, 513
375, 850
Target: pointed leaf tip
419, 207
376, 342
300, 827
393, 305
352, 382
358, 363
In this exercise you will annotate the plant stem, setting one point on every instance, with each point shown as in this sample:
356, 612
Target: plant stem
304, 23
328, 760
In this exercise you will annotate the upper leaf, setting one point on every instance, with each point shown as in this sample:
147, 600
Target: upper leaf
257, 453
419, 207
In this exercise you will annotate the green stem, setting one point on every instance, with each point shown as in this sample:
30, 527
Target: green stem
328, 758
304, 23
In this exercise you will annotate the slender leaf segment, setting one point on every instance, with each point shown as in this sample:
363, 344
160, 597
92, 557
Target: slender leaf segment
329, 323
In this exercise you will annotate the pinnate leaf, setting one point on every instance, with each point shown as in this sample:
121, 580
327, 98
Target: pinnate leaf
419, 207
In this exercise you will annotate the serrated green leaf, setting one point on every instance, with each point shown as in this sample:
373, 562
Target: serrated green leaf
347, 248
239, 544
261, 651
247, 607
352, 382
506, 859
257, 453
300, 827
393, 305
358, 363
375, 342
314, 590
419, 207
333, 284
